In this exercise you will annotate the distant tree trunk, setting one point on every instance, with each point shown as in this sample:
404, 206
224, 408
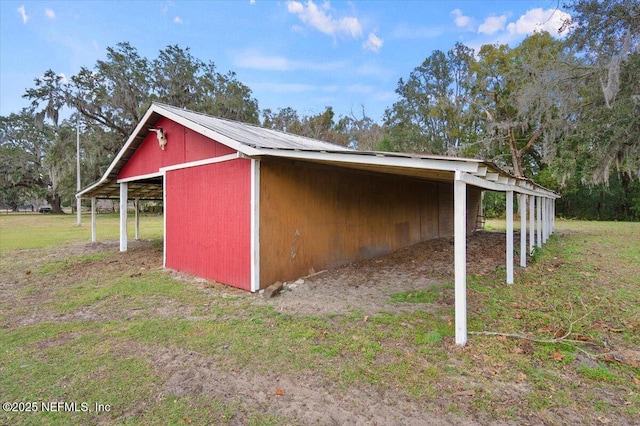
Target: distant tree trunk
55, 203
515, 154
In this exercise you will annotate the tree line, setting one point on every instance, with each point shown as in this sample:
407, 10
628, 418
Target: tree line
562, 111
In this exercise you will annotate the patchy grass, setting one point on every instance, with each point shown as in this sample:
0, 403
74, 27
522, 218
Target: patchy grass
156, 347
429, 295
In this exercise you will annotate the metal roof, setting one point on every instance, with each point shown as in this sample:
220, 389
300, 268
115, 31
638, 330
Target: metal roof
257, 142
251, 135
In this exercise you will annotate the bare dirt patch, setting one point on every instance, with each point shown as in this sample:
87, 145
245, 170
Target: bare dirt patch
303, 397
367, 286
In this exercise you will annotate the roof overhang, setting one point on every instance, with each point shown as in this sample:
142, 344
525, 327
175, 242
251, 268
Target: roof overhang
479, 173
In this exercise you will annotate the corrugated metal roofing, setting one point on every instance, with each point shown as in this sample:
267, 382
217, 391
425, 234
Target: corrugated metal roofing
257, 142
254, 136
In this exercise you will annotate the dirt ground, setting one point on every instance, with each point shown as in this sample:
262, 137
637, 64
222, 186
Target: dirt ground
366, 286
357, 287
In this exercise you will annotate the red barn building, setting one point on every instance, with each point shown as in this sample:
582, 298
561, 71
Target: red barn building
247, 206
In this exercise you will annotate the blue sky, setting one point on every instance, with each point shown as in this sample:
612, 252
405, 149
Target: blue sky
300, 54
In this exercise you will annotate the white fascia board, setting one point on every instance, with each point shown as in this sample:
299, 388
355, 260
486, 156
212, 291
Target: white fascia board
81, 193
493, 186
124, 148
129, 141
508, 184
218, 137
349, 157
204, 162
492, 176
140, 177
482, 171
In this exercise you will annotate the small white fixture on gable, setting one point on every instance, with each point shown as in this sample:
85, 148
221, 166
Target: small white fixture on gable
162, 137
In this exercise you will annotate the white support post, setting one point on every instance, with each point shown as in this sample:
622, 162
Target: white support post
124, 189
255, 225
539, 220
94, 236
460, 258
509, 237
164, 219
532, 228
137, 230
553, 215
548, 205
523, 230
545, 220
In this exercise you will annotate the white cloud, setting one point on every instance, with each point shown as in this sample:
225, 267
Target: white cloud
258, 61
538, 20
460, 20
492, 24
323, 21
177, 20
373, 43
50, 13
23, 14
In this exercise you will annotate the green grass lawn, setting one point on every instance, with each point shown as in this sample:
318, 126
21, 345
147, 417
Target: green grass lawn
29, 231
115, 329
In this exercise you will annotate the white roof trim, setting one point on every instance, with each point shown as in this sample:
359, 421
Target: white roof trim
218, 137
379, 159
510, 184
472, 171
205, 162
140, 177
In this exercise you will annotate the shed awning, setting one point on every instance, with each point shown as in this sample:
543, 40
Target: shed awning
256, 142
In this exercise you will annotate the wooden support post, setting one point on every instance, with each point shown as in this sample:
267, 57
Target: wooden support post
532, 218
94, 236
137, 230
124, 197
460, 257
539, 221
509, 237
523, 230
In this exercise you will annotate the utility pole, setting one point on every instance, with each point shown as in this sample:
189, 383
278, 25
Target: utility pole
78, 202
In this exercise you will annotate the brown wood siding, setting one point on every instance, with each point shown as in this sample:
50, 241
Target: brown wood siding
317, 217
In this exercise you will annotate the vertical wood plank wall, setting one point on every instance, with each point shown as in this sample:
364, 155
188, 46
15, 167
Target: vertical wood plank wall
314, 218
208, 217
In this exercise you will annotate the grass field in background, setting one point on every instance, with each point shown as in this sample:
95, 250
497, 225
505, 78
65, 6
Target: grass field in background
100, 326
35, 230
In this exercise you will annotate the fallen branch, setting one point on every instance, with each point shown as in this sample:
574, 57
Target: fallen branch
560, 340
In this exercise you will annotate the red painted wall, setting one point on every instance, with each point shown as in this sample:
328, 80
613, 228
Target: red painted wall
208, 216
183, 145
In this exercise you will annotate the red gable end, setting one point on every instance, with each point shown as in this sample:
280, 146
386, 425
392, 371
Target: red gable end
183, 146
